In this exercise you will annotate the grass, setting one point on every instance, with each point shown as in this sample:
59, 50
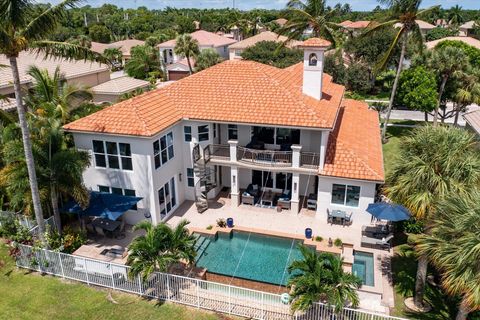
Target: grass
391, 148
30, 296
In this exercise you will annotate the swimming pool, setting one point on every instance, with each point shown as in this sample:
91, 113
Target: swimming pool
363, 267
249, 256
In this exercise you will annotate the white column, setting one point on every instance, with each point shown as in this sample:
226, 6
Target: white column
233, 150
323, 148
295, 192
235, 190
296, 155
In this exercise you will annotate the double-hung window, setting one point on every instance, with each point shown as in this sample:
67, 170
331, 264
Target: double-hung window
190, 177
232, 132
112, 155
187, 132
163, 150
346, 195
203, 133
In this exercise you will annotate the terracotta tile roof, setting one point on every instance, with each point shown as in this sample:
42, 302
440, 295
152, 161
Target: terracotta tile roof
473, 119
424, 25
345, 23
232, 91
281, 21
316, 42
182, 63
124, 45
355, 24
468, 40
264, 36
354, 147
71, 69
120, 85
468, 25
204, 38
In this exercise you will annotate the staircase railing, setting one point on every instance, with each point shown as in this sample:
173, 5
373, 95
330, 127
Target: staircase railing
196, 153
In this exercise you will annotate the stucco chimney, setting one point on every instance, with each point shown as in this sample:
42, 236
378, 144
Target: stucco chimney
313, 59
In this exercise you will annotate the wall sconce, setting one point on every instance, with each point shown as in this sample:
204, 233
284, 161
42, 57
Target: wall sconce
180, 177
294, 187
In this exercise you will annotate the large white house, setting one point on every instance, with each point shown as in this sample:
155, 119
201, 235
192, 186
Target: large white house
270, 137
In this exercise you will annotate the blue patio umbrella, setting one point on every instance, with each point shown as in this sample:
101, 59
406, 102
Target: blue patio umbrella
388, 211
104, 205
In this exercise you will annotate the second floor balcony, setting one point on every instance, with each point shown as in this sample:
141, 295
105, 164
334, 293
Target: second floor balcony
261, 158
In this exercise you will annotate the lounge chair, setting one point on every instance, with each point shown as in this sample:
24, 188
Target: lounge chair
375, 243
248, 199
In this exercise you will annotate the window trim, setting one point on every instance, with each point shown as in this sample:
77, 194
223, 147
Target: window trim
167, 147
190, 178
168, 199
118, 154
232, 128
185, 134
206, 132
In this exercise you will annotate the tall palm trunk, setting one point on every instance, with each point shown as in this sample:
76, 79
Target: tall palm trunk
463, 311
394, 88
420, 281
56, 210
189, 64
440, 93
27, 146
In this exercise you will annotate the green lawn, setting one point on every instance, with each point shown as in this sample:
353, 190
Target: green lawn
390, 149
26, 295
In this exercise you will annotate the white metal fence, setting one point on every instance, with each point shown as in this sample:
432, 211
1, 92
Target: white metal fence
189, 291
30, 224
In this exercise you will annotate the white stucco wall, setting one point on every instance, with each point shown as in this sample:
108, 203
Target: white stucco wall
324, 200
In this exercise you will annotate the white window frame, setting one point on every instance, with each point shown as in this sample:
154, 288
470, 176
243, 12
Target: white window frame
168, 199
232, 128
345, 195
207, 132
168, 149
190, 178
119, 156
187, 134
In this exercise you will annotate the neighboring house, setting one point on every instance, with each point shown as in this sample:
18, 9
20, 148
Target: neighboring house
78, 72
8, 104
443, 23
179, 70
112, 90
206, 40
235, 126
355, 27
468, 40
473, 121
125, 46
281, 21
422, 25
236, 49
466, 29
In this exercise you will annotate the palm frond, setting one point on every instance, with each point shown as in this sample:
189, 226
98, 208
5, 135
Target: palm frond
67, 51
383, 62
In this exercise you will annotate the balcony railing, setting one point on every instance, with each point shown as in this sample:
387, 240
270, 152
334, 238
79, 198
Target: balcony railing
265, 157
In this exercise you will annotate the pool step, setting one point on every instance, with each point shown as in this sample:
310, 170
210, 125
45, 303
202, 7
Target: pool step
203, 244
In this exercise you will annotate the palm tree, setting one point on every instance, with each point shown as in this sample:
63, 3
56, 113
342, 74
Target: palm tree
309, 14
402, 13
432, 163
25, 27
159, 248
452, 247
143, 61
81, 40
467, 93
447, 61
320, 277
206, 59
455, 15
187, 47
113, 54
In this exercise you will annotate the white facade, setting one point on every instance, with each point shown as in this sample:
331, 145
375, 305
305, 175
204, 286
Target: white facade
168, 56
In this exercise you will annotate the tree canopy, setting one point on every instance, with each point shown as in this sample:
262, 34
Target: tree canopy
417, 89
271, 53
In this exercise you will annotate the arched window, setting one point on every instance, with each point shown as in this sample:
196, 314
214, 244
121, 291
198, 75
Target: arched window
312, 59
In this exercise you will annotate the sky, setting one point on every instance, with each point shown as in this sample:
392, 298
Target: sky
358, 5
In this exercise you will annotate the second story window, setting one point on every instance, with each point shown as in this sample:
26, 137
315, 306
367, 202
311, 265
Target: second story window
163, 150
232, 132
190, 177
203, 133
187, 132
112, 155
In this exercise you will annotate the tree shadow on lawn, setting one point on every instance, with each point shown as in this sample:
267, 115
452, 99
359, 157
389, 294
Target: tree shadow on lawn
404, 268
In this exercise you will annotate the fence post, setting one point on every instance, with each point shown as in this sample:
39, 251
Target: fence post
61, 264
86, 271
111, 274
229, 299
168, 286
140, 284
263, 306
198, 295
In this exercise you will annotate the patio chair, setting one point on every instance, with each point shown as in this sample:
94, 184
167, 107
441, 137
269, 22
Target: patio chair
348, 219
373, 242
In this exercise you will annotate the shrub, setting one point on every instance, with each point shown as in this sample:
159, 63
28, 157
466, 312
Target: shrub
222, 223
68, 242
209, 227
269, 52
318, 238
412, 226
338, 242
12, 230
335, 67
439, 33
357, 78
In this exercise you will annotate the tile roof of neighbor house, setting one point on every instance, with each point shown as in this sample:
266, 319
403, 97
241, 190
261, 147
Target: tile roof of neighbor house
204, 38
232, 91
181, 64
473, 119
124, 45
354, 148
281, 21
468, 40
468, 25
316, 42
120, 85
8, 104
362, 24
264, 36
424, 25
71, 69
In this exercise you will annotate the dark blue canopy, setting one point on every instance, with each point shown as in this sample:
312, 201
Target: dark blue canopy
105, 205
388, 211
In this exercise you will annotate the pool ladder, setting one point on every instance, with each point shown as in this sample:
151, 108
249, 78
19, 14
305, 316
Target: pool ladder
202, 243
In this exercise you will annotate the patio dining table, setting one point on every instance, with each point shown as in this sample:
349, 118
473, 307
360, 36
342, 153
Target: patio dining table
106, 224
337, 214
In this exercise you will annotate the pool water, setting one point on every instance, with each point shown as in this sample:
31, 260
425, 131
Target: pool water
363, 267
248, 255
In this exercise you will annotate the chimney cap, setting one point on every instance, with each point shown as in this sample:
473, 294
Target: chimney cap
316, 43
